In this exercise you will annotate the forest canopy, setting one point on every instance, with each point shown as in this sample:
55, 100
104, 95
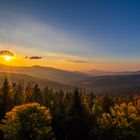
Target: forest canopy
34, 113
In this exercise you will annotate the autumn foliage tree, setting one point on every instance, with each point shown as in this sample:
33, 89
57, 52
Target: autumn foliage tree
28, 122
123, 121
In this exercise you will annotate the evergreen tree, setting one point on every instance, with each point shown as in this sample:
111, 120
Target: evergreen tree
17, 92
58, 114
33, 94
45, 96
36, 95
77, 125
4, 98
28, 93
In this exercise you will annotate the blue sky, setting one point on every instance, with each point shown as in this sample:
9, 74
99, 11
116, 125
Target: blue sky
95, 31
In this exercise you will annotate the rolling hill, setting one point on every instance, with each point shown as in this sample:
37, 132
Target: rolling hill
106, 83
61, 76
61, 79
96, 72
15, 78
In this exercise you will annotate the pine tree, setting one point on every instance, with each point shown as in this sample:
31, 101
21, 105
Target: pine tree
77, 126
45, 96
28, 93
4, 97
36, 94
17, 91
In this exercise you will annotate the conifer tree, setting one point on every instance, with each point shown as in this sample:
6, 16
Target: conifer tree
17, 91
4, 97
45, 96
77, 127
35, 94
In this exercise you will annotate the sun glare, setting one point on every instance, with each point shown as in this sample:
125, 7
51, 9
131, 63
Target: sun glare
7, 58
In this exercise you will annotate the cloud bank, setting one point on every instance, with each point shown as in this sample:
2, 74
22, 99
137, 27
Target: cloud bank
35, 57
6, 52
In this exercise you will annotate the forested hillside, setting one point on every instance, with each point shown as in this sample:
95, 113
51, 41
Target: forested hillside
25, 79
34, 113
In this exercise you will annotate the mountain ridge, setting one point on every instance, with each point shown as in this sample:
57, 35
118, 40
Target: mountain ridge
58, 75
61, 79
16, 78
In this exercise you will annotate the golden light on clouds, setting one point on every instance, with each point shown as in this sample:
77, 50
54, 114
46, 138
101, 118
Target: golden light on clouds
7, 55
22, 56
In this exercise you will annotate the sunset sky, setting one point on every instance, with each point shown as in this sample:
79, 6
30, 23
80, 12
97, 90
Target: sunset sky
71, 34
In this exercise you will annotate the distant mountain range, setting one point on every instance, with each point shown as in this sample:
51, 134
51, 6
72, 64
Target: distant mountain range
106, 83
26, 79
53, 74
96, 80
95, 72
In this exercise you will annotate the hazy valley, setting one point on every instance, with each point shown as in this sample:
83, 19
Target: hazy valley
99, 82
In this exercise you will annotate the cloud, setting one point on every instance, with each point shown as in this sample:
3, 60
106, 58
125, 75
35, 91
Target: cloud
77, 61
30, 33
26, 57
6, 52
35, 57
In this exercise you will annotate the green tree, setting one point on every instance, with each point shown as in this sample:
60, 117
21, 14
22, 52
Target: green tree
78, 119
4, 97
36, 94
46, 96
58, 113
28, 122
16, 93
28, 93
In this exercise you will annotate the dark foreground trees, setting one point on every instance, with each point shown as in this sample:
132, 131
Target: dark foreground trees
77, 123
73, 115
4, 98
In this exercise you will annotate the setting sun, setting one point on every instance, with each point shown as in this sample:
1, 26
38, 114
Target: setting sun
7, 58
